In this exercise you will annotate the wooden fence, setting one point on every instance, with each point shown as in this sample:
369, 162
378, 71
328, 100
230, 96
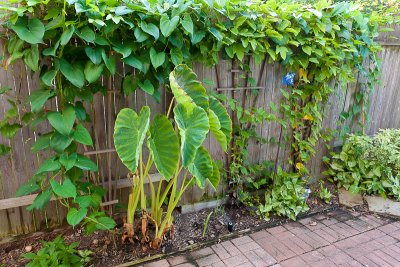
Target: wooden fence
225, 78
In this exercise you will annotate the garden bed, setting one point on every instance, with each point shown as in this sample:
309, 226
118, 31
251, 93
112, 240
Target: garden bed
108, 250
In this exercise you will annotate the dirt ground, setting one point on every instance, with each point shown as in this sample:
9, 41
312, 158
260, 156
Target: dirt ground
108, 249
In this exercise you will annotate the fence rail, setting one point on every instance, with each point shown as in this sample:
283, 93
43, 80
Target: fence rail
226, 79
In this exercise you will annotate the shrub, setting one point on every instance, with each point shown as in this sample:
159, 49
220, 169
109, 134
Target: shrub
57, 253
369, 165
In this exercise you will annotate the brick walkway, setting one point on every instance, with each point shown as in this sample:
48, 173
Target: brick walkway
340, 238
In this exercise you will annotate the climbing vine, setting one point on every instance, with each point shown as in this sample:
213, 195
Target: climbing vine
74, 44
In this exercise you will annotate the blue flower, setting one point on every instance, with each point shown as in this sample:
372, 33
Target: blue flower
288, 79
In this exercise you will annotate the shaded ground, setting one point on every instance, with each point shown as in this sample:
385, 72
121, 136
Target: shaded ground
108, 250
337, 238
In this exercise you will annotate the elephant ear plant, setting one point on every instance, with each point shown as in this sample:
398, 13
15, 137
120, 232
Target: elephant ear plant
175, 149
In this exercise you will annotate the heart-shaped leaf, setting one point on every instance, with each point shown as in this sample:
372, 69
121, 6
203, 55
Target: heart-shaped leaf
85, 164
187, 24
59, 142
129, 133
29, 30
81, 135
157, 59
65, 190
49, 165
94, 54
110, 62
186, 88
68, 161
48, 77
193, 127
64, 122
74, 216
150, 28
74, 74
147, 86
92, 71
164, 146
31, 58
167, 25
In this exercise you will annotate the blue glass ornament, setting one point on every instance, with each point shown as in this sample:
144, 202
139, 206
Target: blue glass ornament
288, 79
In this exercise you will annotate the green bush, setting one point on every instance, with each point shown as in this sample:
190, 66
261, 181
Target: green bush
369, 165
57, 253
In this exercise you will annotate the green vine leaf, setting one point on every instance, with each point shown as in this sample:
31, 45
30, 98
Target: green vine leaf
82, 135
74, 74
63, 122
38, 98
85, 164
67, 35
29, 30
167, 26
74, 216
187, 24
65, 190
157, 59
93, 72
49, 165
41, 200
151, 29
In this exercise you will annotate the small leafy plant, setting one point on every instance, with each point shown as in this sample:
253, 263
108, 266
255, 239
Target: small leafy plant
175, 151
325, 194
287, 196
56, 253
369, 165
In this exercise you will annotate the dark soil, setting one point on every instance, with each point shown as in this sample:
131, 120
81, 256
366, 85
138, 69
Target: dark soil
109, 251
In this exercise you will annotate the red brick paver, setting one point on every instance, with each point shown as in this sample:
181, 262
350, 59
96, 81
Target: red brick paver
339, 238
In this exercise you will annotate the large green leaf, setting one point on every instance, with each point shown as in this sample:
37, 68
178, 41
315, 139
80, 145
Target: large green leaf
129, 133
220, 123
164, 146
29, 30
64, 122
73, 73
201, 167
186, 88
193, 127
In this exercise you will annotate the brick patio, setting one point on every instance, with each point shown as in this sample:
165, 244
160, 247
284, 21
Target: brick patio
339, 238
